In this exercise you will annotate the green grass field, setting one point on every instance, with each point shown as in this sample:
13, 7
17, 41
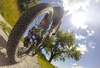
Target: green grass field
5, 27
9, 10
44, 63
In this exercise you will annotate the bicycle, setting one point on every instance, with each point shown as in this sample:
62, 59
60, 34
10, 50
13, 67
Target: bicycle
15, 46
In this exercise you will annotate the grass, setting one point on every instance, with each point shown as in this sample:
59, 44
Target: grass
22, 39
9, 10
5, 27
44, 63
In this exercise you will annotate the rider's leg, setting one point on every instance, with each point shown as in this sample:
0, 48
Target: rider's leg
43, 22
51, 30
54, 24
50, 33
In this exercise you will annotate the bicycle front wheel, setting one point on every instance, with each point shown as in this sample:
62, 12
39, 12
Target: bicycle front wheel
20, 28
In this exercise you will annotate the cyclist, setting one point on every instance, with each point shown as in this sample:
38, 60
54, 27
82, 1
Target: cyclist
57, 19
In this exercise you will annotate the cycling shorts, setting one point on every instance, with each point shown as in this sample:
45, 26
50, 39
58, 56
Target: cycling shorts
57, 17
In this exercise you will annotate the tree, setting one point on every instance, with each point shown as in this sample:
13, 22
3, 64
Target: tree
26, 4
62, 46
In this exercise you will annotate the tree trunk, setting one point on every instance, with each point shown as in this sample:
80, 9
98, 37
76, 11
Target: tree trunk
51, 58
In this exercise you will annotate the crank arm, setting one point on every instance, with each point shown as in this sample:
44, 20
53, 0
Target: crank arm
31, 48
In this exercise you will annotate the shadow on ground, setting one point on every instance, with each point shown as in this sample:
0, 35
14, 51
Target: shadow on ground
3, 56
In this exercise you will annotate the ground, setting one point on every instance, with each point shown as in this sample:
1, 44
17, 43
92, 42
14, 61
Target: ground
29, 62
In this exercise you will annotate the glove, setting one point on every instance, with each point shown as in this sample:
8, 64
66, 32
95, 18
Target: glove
53, 34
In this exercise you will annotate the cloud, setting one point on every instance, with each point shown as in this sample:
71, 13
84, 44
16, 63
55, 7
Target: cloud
73, 64
82, 48
85, 41
56, 64
47, 58
77, 66
84, 26
89, 19
79, 37
91, 44
97, 1
53, 2
59, 3
90, 33
74, 5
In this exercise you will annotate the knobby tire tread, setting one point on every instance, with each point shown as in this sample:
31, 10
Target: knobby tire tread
20, 27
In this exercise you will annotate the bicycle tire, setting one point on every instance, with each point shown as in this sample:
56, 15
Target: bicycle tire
22, 25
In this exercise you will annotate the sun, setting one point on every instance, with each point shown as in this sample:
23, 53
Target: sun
78, 19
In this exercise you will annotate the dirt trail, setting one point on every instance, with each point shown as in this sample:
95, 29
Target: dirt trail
29, 62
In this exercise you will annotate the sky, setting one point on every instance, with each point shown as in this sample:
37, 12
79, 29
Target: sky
82, 17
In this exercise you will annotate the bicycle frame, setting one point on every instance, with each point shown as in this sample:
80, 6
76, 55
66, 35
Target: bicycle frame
34, 46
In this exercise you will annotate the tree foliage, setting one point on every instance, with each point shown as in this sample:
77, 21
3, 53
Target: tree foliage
62, 46
26, 4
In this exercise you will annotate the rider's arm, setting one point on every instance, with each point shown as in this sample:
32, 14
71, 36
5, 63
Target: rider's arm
57, 29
